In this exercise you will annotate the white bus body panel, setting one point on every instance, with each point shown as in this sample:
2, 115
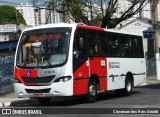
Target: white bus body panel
58, 88
118, 69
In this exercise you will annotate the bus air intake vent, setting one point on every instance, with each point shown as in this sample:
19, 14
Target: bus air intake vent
38, 91
47, 79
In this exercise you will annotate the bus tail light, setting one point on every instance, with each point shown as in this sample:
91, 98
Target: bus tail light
63, 79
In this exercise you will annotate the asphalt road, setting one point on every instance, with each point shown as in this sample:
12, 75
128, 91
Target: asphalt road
143, 97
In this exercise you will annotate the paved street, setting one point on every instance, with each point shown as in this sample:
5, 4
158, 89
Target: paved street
145, 96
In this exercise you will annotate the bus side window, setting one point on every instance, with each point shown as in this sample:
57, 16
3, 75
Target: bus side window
113, 45
124, 46
134, 47
79, 47
92, 42
103, 44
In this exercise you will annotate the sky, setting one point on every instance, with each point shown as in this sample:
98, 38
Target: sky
16, 2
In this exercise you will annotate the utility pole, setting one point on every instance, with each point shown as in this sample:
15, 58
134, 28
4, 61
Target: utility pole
156, 43
65, 14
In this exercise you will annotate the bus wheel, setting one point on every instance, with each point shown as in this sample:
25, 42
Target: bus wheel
128, 86
92, 91
44, 101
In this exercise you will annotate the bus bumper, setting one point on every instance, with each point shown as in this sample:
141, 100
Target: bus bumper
53, 90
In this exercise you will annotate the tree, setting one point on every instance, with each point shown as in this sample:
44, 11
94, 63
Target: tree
111, 22
103, 11
97, 12
91, 12
9, 14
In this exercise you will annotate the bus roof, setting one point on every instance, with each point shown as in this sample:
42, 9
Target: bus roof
120, 32
78, 25
51, 26
103, 29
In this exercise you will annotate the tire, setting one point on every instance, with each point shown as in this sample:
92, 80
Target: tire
44, 101
128, 86
92, 91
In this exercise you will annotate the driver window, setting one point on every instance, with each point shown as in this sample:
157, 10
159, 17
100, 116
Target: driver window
80, 43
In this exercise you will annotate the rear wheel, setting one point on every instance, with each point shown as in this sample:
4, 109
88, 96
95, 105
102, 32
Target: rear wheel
92, 91
44, 101
128, 86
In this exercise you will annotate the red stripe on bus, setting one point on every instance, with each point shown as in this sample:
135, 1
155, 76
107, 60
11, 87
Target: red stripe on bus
90, 27
80, 84
96, 66
19, 73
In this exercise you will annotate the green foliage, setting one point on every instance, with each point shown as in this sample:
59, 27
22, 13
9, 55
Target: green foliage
101, 13
9, 14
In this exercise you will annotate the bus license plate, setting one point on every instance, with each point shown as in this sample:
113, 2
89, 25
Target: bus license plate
38, 95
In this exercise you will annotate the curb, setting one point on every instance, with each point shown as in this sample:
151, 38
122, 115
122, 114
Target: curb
144, 84
8, 101
5, 104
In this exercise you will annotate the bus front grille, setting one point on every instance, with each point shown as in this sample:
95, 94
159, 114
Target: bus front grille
38, 91
42, 80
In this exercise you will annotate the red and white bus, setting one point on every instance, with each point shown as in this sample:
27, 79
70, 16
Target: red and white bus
75, 59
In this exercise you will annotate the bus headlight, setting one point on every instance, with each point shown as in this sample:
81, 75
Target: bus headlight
63, 79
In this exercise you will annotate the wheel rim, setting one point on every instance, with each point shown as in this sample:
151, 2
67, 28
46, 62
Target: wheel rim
92, 90
129, 87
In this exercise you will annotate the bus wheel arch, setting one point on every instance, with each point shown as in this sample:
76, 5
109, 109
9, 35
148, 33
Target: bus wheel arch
96, 79
129, 75
128, 85
93, 87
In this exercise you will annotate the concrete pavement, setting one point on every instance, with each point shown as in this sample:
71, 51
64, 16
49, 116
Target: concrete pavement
152, 80
5, 100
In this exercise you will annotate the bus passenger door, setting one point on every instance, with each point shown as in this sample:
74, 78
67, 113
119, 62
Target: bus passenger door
80, 65
97, 57
98, 67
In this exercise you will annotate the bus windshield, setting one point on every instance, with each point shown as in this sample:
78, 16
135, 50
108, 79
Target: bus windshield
43, 47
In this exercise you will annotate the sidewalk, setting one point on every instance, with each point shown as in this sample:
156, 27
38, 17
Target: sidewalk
6, 100
152, 80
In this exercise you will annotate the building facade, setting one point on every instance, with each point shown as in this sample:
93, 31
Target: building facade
28, 13
38, 16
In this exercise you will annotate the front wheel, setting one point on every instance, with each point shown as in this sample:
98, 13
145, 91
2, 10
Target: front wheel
92, 91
